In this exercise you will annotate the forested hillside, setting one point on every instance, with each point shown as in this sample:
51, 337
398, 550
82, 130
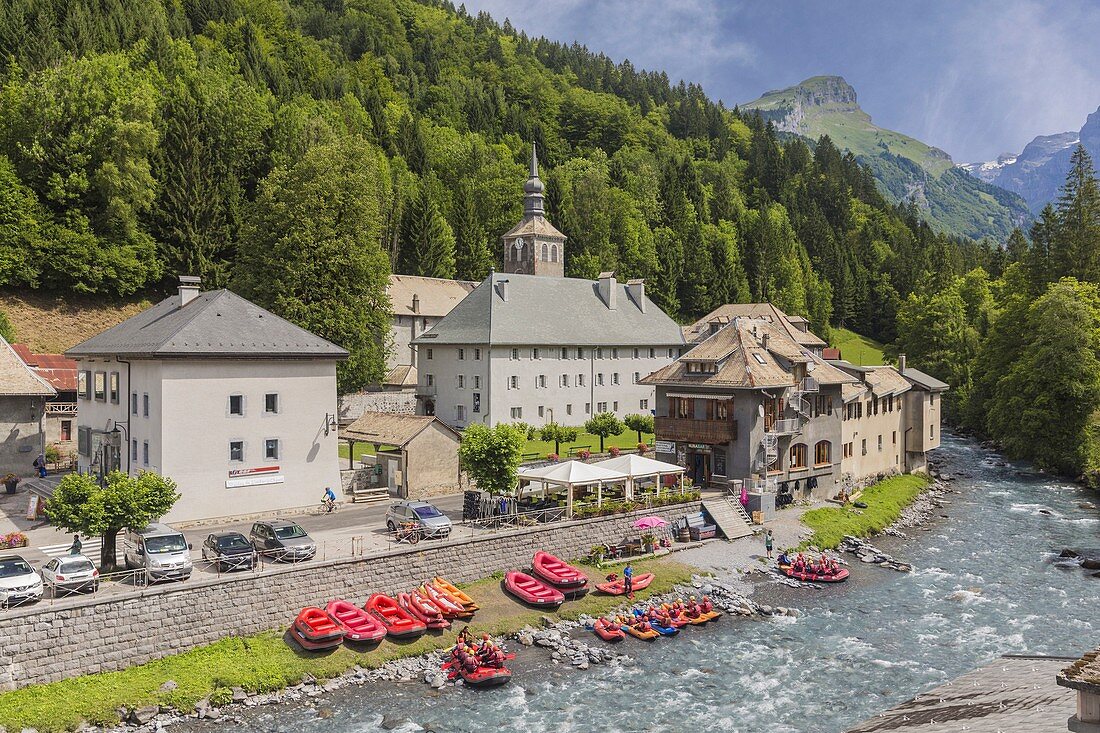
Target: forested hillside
1021, 346
299, 150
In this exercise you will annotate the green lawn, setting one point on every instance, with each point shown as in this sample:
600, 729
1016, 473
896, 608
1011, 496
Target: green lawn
884, 500
628, 439
265, 662
859, 350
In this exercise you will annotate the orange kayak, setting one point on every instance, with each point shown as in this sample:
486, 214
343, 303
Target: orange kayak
449, 588
450, 607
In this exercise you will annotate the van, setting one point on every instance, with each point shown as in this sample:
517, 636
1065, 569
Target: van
161, 550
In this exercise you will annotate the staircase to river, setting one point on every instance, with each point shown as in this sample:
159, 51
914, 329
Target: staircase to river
729, 516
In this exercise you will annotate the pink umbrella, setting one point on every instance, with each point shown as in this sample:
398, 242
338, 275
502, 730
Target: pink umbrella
649, 523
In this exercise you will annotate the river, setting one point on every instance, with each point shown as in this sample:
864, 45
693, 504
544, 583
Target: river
984, 584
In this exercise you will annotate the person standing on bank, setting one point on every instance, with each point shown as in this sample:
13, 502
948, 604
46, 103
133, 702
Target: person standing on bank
768, 542
76, 546
628, 581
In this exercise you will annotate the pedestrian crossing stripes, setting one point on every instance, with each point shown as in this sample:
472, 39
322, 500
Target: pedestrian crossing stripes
90, 548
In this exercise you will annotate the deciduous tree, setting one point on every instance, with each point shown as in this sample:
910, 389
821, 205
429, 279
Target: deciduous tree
491, 456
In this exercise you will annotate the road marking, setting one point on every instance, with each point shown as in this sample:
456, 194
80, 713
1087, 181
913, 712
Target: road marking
90, 548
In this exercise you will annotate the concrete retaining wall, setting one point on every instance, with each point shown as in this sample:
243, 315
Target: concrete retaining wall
43, 644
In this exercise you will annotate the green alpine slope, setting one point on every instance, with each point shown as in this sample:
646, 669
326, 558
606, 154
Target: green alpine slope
906, 169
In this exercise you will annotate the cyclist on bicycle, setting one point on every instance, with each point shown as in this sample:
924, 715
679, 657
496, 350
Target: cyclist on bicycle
329, 499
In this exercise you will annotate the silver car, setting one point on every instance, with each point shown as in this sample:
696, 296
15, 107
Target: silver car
71, 574
432, 522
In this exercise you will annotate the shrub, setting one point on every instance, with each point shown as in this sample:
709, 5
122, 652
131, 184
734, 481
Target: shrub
642, 448
584, 455
53, 454
614, 451
552, 457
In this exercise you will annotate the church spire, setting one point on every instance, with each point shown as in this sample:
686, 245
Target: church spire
532, 189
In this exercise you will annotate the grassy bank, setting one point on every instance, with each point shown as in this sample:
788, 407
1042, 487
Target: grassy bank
884, 500
855, 348
265, 662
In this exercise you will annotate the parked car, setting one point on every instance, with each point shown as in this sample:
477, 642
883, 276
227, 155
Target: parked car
433, 523
19, 583
71, 574
280, 539
161, 550
229, 551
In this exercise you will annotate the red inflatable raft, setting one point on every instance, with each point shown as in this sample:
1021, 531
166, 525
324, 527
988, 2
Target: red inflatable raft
608, 631
424, 610
557, 573
482, 676
616, 587
314, 630
358, 625
399, 623
530, 590
811, 577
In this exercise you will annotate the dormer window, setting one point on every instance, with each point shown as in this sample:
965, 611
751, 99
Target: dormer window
759, 358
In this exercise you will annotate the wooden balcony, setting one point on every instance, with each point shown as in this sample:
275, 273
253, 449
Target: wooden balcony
689, 430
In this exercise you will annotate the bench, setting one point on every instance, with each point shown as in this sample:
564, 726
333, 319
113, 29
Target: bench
577, 449
697, 526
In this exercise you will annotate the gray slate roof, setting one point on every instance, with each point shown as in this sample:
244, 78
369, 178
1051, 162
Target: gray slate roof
217, 323
919, 378
551, 311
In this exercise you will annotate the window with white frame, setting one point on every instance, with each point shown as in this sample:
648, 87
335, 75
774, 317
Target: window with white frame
112, 387
614, 353
643, 404
599, 352
428, 355
429, 379
637, 376
271, 449
513, 382
236, 450
517, 413
601, 407
145, 453
580, 353
477, 381
541, 384
515, 353
236, 405
460, 381
460, 413
540, 410
133, 450
477, 354
587, 408
564, 381
145, 404
100, 386
569, 408
271, 403
564, 353
134, 405
670, 353
614, 377
462, 354
615, 406
580, 380
652, 353
535, 354
636, 353
599, 379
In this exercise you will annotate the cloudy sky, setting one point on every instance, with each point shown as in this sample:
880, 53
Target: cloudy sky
975, 78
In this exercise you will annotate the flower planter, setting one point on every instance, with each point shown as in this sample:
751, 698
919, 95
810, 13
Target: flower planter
10, 486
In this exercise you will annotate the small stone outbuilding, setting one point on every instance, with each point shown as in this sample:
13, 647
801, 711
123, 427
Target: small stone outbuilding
416, 456
23, 397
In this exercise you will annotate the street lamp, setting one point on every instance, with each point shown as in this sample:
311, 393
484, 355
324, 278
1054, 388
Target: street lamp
119, 428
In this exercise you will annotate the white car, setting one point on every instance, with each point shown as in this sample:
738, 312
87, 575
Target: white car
19, 582
71, 574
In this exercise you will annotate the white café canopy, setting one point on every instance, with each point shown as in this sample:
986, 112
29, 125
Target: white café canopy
636, 466
574, 473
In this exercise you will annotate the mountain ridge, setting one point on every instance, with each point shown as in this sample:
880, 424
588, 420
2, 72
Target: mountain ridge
951, 200
1036, 174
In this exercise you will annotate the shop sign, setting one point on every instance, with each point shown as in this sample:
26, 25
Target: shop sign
259, 480
241, 472
699, 447
665, 446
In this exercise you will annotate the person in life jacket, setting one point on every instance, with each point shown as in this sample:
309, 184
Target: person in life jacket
707, 605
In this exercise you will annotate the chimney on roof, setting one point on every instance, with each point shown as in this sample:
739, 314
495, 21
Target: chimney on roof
636, 290
901, 362
189, 288
607, 289
764, 341
416, 304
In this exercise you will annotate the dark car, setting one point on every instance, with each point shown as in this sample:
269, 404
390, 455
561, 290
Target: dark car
280, 539
229, 551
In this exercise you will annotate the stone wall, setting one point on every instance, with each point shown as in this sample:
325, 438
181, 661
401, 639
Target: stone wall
45, 644
352, 406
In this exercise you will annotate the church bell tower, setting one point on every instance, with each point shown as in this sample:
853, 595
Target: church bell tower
534, 246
